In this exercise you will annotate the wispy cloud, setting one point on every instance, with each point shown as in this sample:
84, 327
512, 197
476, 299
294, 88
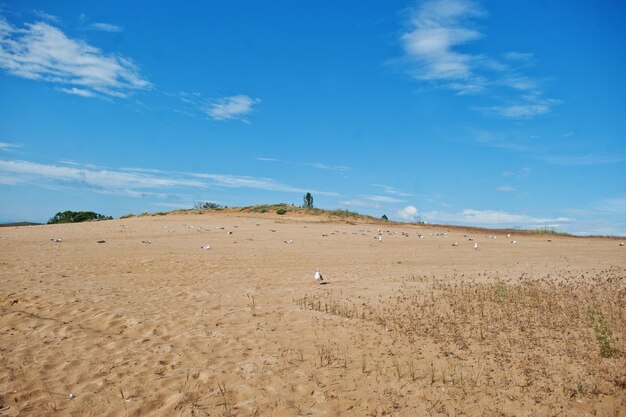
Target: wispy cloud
493, 218
527, 108
77, 91
266, 184
358, 203
391, 190
4, 146
231, 108
46, 16
614, 205
582, 160
520, 173
135, 182
506, 189
40, 51
437, 28
433, 47
105, 27
408, 214
383, 199
317, 165
542, 151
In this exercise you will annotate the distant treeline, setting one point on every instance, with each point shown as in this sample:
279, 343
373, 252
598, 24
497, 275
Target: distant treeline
77, 217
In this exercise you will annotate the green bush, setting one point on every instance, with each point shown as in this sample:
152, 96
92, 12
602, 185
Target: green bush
205, 205
77, 217
281, 211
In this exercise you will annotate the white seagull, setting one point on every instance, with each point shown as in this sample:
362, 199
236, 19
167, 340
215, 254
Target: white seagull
207, 247
318, 276
475, 245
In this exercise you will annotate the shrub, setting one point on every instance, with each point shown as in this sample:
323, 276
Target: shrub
205, 205
77, 217
281, 211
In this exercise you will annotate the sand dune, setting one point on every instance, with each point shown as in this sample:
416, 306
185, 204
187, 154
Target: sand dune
404, 327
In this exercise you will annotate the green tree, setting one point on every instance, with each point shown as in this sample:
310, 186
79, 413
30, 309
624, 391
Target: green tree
308, 201
76, 217
384, 217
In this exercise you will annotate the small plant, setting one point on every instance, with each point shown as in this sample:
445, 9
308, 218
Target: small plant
281, 211
603, 332
432, 374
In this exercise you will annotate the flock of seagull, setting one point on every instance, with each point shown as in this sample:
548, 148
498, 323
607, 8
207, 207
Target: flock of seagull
318, 275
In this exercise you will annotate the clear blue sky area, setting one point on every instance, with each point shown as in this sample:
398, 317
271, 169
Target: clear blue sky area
486, 113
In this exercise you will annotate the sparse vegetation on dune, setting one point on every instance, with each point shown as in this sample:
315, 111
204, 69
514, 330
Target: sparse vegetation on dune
557, 337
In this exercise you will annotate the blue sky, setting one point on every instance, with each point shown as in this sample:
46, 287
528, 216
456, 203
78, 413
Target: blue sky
487, 113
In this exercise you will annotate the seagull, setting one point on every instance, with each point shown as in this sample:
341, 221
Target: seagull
207, 247
102, 241
508, 235
289, 241
229, 233
57, 239
621, 243
514, 242
318, 276
378, 238
475, 245
147, 242
455, 244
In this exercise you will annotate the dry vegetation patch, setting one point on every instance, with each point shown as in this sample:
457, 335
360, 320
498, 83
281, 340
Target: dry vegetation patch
556, 339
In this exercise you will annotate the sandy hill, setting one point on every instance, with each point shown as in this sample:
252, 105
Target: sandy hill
148, 322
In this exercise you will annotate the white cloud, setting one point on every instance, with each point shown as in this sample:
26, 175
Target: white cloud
319, 165
77, 91
582, 160
522, 57
439, 29
135, 182
267, 184
506, 189
409, 214
43, 52
91, 177
106, 27
492, 218
231, 108
523, 110
358, 203
391, 190
383, 199
46, 16
615, 205
4, 146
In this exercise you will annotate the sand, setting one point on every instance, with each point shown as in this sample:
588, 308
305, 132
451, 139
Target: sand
404, 327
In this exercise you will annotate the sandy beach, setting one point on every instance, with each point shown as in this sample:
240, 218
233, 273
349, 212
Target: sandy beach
149, 323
